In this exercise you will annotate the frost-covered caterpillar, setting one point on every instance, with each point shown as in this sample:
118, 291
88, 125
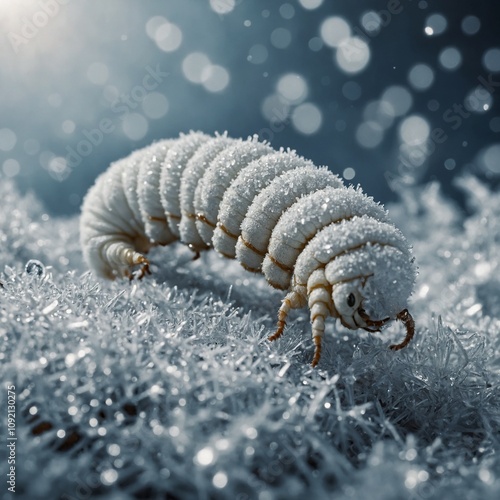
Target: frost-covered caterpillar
329, 246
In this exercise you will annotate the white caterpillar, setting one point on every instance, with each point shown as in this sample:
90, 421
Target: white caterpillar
330, 246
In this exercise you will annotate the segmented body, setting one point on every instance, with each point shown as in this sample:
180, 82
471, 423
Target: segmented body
274, 211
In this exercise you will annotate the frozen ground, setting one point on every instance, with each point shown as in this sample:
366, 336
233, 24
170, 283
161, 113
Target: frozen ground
168, 388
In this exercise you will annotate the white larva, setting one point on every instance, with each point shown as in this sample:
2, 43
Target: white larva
329, 246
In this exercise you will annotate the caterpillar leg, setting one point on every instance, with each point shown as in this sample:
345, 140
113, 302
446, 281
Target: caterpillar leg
409, 323
123, 258
318, 314
196, 252
294, 300
142, 271
321, 306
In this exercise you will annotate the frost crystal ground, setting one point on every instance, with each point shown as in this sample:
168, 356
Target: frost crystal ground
168, 388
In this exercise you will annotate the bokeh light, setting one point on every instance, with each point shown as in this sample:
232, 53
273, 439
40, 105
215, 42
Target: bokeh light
11, 167
281, 38
495, 124
58, 167
287, 11
168, 37
379, 112
220, 480
8, 139
450, 58
491, 60
310, 4
98, 73
334, 30
194, 65
135, 126
153, 24
68, 126
155, 105
369, 134
433, 105
471, 25
307, 118
109, 476
205, 456
479, 100
222, 6
258, 54
371, 22
349, 173
275, 108
421, 77
414, 130
351, 90
435, 24
215, 78
292, 87
399, 98
315, 44
353, 55
293, 69
450, 164
489, 159
111, 93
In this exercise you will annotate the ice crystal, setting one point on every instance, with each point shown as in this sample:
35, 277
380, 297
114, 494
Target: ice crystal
168, 388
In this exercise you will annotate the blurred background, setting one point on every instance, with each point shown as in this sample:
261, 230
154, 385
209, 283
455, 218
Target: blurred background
386, 93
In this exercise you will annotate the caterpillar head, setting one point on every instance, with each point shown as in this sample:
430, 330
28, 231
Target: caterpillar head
378, 294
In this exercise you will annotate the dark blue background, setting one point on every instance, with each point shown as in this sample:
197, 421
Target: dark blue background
45, 82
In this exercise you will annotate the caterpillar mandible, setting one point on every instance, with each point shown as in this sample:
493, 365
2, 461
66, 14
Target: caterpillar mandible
331, 247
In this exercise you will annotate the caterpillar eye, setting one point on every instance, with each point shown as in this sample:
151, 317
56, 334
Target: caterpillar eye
351, 300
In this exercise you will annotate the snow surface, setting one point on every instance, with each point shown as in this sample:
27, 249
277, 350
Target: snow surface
168, 388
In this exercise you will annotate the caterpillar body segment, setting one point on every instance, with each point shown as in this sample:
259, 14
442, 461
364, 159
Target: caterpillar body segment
171, 173
111, 230
244, 189
130, 182
268, 206
309, 215
329, 246
217, 179
151, 209
191, 177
